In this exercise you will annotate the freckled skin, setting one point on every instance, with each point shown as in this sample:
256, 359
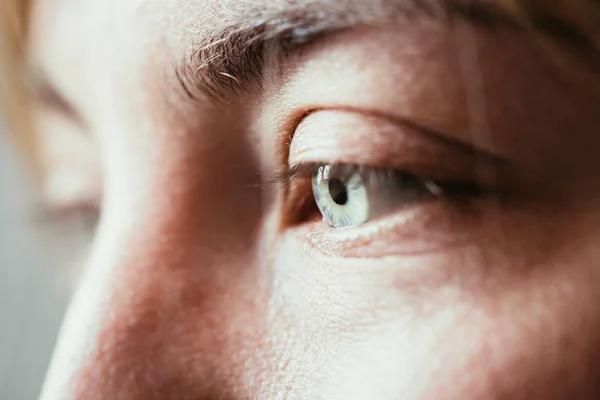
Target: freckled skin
195, 289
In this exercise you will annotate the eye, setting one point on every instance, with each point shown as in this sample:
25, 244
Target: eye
348, 168
349, 196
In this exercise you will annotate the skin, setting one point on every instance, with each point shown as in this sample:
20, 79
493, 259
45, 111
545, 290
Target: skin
205, 281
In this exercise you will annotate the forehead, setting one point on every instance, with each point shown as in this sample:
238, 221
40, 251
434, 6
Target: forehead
73, 41
78, 41
71, 22
60, 25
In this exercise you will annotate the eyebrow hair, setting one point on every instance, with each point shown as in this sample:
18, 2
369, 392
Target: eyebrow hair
231, 56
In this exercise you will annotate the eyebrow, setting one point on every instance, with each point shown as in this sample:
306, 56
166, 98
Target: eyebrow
230, 57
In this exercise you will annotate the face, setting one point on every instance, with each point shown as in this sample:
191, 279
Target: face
325, 200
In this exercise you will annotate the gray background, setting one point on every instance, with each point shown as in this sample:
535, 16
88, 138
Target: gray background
31, 303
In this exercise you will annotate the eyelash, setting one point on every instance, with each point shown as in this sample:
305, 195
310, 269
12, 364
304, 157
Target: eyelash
296, 181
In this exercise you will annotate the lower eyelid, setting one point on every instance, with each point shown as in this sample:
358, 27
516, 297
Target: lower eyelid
416, 230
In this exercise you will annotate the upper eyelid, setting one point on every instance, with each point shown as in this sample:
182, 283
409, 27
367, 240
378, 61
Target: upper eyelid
297, 171
389, 144
413, 135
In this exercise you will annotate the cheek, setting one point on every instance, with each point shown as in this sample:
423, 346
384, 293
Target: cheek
338, 332
175, 325
535, 336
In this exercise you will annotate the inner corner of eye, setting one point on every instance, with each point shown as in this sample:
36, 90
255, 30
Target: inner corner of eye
300, 203
299, 199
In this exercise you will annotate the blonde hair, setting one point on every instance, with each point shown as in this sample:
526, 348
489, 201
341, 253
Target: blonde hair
14, 98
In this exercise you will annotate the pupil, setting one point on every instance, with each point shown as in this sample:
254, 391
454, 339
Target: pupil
338, 192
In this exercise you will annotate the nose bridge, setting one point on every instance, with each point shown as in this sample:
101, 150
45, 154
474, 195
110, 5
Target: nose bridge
81, 324
141, 323
142, 330
154, 312
163, 309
